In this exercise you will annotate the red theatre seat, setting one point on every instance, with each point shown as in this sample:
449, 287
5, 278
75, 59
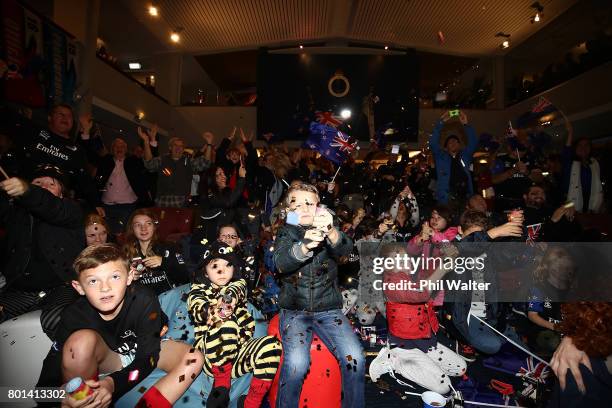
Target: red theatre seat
323, 384
174, 223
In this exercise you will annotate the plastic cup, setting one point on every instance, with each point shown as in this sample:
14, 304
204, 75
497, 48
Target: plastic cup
78, 389
433, 400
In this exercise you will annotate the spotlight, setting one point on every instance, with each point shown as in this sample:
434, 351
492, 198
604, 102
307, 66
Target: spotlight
505, 44
301, 47
153, 11
345, 114
386, 47
139, 116
175, 37
538, 9
135, 65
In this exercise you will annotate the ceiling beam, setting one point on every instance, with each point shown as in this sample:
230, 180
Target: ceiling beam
341, 15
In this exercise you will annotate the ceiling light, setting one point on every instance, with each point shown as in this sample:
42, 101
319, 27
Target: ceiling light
175, 37
386, 47
537, 18
153, 11
345, 114
301, 47
505, 44
135, 65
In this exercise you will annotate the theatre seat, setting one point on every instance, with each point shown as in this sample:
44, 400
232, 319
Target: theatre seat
23, 347
323, 385
180, 328
174, 223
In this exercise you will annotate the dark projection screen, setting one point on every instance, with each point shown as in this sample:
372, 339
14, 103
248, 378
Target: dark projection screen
291, 88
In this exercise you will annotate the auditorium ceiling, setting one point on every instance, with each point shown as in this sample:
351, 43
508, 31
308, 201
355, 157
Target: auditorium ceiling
465, 28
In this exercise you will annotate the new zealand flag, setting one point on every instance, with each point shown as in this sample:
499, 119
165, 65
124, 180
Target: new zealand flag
333, 144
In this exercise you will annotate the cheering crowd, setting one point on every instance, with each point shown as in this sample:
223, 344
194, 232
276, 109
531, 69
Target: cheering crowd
286, 231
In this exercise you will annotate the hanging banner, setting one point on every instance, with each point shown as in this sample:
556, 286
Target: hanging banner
38, 60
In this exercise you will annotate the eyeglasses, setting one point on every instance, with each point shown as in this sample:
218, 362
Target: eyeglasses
229, 236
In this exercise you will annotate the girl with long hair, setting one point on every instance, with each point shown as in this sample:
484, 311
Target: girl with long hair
157, 265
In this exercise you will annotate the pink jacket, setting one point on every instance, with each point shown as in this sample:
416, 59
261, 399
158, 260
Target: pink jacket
415, 247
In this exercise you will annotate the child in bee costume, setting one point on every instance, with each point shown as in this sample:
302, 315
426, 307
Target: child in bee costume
224, 329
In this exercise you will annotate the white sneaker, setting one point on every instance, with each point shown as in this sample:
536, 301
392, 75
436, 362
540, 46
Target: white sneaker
381, 364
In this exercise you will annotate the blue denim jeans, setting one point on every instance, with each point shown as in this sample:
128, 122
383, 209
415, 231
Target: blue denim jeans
336, 332
483, 338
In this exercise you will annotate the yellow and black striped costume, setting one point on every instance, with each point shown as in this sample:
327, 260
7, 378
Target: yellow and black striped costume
231, 340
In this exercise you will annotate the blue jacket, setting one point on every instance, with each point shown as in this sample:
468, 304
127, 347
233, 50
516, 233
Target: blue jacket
443, 161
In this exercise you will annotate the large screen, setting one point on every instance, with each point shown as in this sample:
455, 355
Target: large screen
379, 91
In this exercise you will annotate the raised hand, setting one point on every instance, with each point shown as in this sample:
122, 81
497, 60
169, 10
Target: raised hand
323, 220
14, 186
426, 231
241, 169
406, 192
314, 236
208, 137
143, 135
153, 132
233, 133
243, 137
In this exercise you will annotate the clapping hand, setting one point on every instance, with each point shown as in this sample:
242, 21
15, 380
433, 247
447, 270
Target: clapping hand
241, 169
208, 137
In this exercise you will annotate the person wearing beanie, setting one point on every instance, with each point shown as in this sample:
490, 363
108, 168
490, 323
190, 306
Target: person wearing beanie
224, 329
44, 235
453, 162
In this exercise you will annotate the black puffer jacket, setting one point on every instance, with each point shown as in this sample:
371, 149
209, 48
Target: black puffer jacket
308, 282
58, 238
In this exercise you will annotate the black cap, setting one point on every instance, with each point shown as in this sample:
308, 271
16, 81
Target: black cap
48, 170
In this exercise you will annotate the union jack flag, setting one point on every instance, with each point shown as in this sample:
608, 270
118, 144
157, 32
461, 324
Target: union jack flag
341, 141
542, 105
533, 232
328, 118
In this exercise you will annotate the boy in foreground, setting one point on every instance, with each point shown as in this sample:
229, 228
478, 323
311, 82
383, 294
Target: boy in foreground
111, 337
310, 300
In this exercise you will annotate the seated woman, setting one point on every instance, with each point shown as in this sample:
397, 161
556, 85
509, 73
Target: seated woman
158, 265
224, 329
96, 229
219, 205
414, 350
